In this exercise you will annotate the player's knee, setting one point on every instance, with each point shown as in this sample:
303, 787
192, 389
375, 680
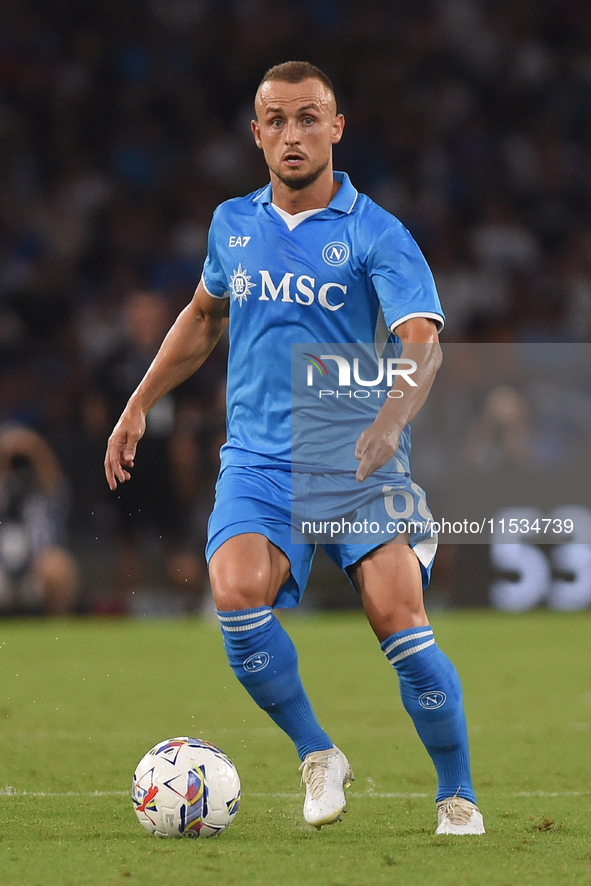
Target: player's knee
238, 585
410, 614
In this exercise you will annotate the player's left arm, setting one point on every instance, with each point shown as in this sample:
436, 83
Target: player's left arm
379, 442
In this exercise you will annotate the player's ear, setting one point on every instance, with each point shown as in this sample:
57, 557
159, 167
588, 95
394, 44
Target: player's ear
256, 131
338, 125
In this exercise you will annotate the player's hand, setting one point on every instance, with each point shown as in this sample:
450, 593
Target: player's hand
375, 447
122, 446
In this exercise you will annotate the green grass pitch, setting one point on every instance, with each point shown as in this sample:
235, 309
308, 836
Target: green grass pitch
81, 702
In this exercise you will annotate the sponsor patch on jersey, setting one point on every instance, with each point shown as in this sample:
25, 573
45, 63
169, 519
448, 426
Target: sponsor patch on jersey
240, 284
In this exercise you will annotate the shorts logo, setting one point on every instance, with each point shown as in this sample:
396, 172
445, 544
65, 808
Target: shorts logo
335, 253
432, 700
256, 662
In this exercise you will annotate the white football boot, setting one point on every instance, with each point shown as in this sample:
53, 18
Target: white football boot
326, 774
458, 816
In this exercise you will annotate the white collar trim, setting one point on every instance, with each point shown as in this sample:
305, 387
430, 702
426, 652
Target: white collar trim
292, 221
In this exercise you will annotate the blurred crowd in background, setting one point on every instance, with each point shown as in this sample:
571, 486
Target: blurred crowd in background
123, 125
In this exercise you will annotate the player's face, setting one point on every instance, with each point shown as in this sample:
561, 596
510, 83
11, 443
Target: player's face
296, 127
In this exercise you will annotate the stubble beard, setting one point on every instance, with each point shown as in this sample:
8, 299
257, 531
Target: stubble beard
299, 184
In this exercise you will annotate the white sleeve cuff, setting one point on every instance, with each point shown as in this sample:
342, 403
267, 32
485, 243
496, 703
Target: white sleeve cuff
225, 295
436, 317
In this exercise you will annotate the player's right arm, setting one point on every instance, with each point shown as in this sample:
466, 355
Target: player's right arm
189, 341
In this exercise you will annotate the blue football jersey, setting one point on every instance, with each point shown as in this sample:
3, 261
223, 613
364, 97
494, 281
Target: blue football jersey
348, 273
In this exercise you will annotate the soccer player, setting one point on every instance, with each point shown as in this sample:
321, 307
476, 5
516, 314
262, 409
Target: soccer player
271, 274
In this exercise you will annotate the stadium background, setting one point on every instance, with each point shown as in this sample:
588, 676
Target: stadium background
122, 126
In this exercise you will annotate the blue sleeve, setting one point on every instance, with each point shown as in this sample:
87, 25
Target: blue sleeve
214, 277
402, 278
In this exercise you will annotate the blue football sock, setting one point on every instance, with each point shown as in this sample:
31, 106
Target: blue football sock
432, 694
265, 661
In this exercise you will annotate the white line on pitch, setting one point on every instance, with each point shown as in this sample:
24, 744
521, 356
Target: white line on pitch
377, 795
548, 794
380, 795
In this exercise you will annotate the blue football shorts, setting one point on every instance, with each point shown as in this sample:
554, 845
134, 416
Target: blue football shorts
259, 499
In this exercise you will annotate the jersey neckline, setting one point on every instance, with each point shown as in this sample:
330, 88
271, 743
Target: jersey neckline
343, 201
292, 221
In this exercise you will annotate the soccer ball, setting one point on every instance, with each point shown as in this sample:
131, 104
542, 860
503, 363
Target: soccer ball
185, 787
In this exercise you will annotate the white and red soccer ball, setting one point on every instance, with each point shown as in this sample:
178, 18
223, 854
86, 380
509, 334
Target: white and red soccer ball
185, 787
